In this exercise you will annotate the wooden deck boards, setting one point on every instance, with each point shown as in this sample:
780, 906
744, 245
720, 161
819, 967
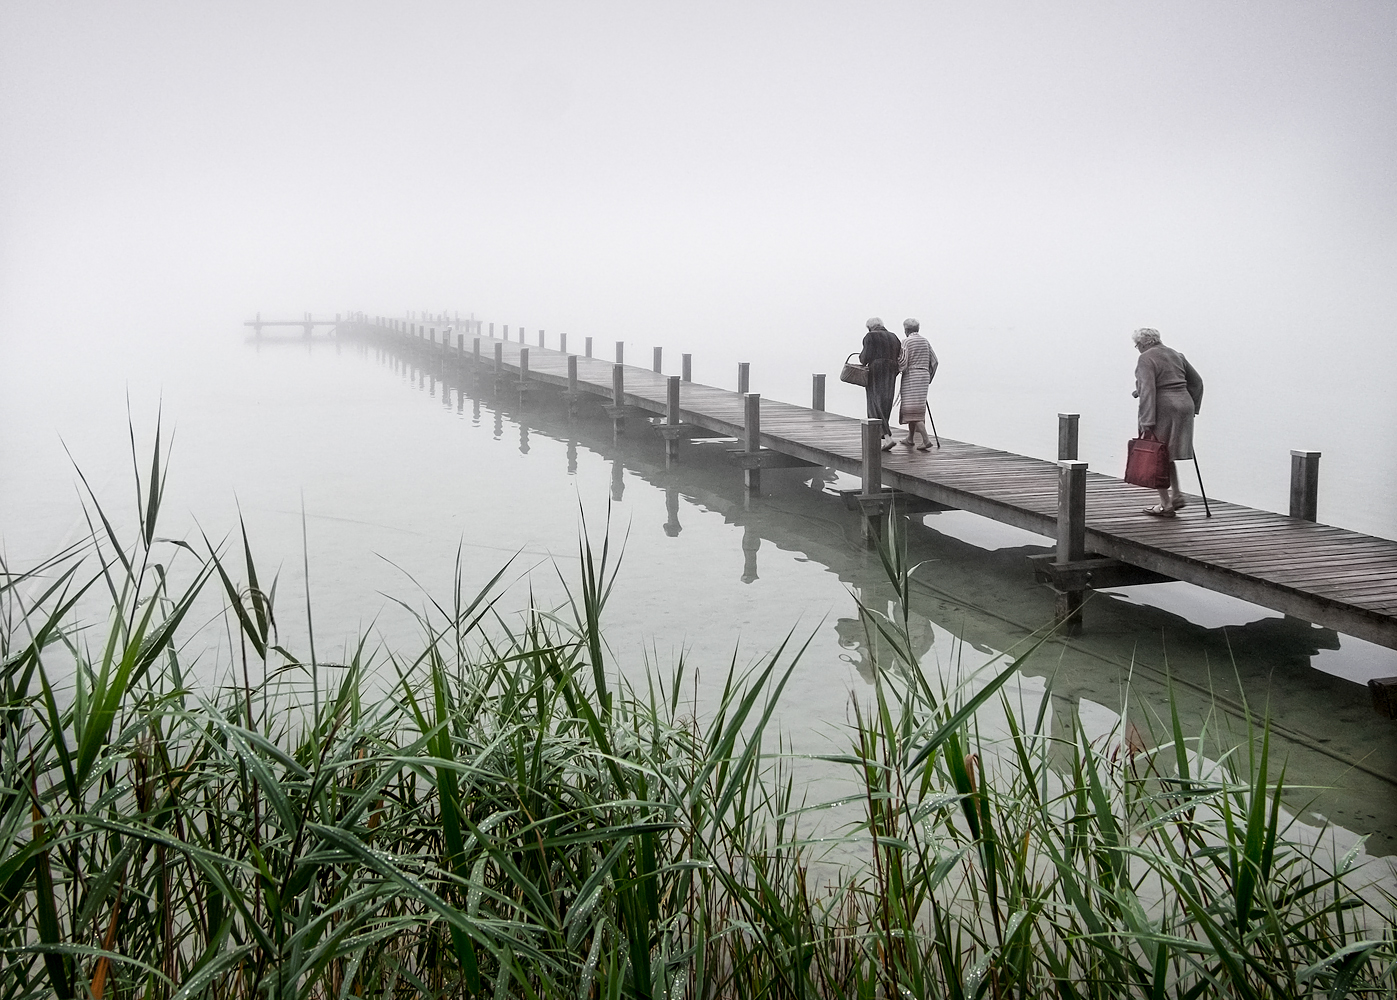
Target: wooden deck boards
1325, 574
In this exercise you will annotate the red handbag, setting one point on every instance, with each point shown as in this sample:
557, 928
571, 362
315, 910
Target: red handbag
1147, 462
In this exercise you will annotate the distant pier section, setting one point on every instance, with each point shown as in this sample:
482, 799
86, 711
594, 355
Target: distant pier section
1289, 563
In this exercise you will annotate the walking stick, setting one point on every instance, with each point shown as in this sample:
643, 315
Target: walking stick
933, 426
1207, 511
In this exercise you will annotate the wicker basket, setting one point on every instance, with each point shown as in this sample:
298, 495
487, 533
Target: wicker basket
854, 373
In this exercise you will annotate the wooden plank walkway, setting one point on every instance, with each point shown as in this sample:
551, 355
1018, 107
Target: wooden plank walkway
1330, 576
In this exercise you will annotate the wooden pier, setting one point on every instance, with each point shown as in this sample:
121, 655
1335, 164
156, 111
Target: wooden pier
1333, 577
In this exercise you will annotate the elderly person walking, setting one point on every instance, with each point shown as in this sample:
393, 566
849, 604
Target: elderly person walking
880, 353
918, 365
1171, 393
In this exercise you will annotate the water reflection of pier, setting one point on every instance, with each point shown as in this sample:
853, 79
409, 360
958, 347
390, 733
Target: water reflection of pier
988, 599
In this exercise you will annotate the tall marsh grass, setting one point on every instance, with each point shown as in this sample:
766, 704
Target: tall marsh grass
503, 817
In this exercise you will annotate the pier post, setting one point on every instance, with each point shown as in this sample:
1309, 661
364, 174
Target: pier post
620, 352
672, 430
499, 360
658, 366
540, 338
563, 343
751, 442
589, 347
1304, 485
871, 499
521, 335
572, 385
505, 334
460, 343
523, 372
744, 377
618, 399
817, 392
687, 365
1067, 436
476, 355
1071, 537
492, 331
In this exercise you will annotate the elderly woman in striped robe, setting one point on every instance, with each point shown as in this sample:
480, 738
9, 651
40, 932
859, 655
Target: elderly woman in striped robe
918, 366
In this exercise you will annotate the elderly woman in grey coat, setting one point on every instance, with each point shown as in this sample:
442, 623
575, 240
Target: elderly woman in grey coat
880, 353
1171, 393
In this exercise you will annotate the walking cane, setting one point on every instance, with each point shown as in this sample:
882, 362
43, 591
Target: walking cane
938, 436
1207, 511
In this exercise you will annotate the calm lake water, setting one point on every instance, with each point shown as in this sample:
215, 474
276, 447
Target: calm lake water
402, 476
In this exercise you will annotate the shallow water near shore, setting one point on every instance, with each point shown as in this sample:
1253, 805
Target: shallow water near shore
388, 468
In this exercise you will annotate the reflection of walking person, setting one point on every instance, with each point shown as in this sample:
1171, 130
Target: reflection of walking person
880, 353
918, 364
1171, 394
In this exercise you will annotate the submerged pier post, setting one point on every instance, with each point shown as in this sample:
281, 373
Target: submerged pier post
657, 366
1067, 436
1071, 537
687, 366
1304, 485
751, 442
817, 392
744, 377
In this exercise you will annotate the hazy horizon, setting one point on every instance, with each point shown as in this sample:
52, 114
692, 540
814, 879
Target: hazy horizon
1031, 182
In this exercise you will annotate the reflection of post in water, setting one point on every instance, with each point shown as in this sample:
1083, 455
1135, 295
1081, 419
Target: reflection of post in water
460, 401
618, 481
572, 456
854, 635
523, 437
672, 525
499, 423
433, 388
475, 413
751, 542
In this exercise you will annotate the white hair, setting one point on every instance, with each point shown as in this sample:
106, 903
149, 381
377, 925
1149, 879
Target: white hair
911, 325
1146, 337
875, 324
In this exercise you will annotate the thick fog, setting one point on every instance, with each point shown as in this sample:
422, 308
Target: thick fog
1032, 181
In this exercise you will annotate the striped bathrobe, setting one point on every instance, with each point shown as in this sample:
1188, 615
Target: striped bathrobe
918, 365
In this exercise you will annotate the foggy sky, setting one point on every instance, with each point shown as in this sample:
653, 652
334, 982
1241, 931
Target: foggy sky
1031, 180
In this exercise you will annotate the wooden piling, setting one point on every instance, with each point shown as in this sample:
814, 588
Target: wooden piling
563, 343
620, 352
540, 338
618, 384
1067, 437
744, 377
751, 441
817, 392
1071, 536
499, 360
1304, 485
589, 347
687, 364
672, 429
658, 366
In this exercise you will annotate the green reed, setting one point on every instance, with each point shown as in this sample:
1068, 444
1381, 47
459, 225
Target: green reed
495, 813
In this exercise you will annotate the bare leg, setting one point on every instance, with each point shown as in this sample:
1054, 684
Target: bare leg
913, 426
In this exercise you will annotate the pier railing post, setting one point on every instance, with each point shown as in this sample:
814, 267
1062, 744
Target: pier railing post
475, 355
1071, 536
1304, 485
672, 401
499, 360
870, 496
817, 392
521, 335
589, 347
744, 377
752, 441
620, 352
563, 343
523, 372
657, 366
1067, 436
687, 365
540, 338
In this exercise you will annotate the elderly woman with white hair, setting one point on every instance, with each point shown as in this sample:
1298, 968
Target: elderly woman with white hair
1170, 391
